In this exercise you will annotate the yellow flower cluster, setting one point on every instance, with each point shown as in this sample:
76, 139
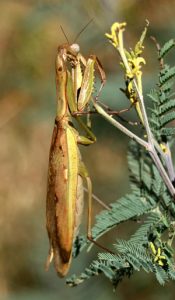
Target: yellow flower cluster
135, 66
115, 28
158, 258
131, 61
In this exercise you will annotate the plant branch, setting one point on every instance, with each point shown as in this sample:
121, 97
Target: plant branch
147, 145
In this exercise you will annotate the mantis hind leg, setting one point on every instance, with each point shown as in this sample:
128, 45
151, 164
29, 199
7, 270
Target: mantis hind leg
84, 174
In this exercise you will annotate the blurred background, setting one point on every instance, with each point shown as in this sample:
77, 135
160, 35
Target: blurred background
29, 36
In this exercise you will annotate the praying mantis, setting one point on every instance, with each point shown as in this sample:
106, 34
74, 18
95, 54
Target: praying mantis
66, 169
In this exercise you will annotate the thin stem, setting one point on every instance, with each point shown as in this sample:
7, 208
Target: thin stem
163, 173
144, 114
169, 163
98, 200
142, 107
122, 128
147, 145
151, 140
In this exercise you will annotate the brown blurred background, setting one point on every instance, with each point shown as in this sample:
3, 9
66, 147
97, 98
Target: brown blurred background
29, 36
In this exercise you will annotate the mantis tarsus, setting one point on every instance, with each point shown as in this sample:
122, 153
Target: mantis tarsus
66, 168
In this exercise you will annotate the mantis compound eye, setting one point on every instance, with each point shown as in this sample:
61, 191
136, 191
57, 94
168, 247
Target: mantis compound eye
75, 48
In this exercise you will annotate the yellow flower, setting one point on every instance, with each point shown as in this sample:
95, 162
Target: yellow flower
115, 28
164, 148
159, 259
135, 64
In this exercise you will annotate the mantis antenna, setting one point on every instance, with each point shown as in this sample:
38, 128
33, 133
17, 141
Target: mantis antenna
82, 30
64, 34
77, 36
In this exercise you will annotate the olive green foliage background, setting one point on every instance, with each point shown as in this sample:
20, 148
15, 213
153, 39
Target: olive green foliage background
29, 36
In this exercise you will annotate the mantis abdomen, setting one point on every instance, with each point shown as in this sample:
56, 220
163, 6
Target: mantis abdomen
65, 194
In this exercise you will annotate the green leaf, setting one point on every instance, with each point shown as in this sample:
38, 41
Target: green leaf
166, 48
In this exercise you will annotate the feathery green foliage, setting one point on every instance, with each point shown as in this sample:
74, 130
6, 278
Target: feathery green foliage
149, 204
164, 103
166, 48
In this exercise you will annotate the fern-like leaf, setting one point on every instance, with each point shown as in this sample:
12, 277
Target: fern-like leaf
161, 274
167, 76
167, 118
168, 131
166, 48
169, 105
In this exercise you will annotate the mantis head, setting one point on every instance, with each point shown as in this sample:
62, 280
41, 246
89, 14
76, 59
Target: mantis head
75, 49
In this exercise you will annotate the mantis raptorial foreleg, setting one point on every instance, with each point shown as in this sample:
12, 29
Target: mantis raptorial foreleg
118, 113
88, 81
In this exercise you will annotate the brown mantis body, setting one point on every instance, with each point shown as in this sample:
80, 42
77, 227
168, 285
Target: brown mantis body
65, 187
